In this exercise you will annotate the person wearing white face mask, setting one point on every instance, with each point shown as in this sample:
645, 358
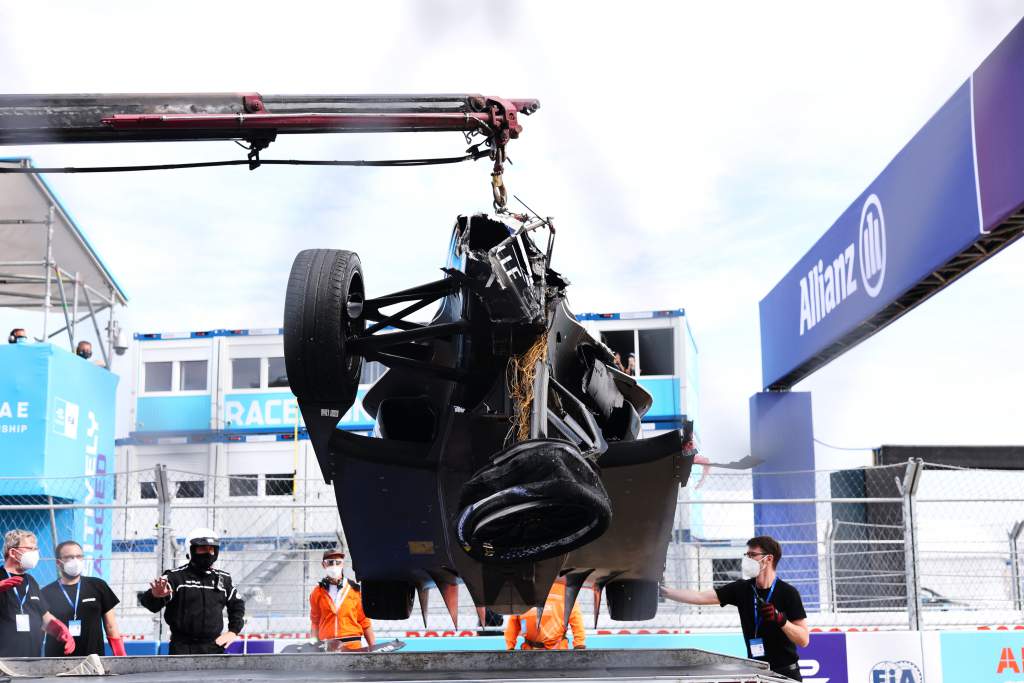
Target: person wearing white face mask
336, 608
771, 612
24, 612
85, 603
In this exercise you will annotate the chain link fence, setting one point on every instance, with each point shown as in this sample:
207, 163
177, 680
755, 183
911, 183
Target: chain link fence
902, 546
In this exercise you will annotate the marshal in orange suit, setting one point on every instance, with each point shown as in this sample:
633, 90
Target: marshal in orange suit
336, 608
552, 632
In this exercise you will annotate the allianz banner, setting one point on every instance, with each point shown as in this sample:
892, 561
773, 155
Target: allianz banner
921, 211
277, 411
960, 177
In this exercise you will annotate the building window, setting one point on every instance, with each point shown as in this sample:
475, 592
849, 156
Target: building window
277, 375
656, 352
190, 489
244, 485
147, 490
623, 343
158, 376
280, 484
245, 373
193, 375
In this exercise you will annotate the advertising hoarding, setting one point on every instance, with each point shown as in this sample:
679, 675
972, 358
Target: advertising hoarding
57, 438
917, 214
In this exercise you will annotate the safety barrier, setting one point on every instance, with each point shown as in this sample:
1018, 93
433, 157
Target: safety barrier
952, 539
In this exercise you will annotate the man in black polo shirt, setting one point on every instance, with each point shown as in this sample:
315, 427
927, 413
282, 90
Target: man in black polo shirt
24, 613
771, 611
85, 603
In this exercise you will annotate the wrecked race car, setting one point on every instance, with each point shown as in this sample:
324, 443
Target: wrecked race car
507, 449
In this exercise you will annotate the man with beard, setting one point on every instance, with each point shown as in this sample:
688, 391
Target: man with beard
194, 597
85, 603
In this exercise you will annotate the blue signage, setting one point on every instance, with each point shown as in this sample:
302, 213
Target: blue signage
782, 438
957, 180
172, 413
824, 658
277, 410
666, 394
920, 212
983, 656
57, 438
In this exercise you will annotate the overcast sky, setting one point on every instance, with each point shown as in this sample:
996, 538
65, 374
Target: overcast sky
690, 152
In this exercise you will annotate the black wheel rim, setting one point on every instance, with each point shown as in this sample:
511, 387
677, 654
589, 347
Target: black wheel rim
353, 322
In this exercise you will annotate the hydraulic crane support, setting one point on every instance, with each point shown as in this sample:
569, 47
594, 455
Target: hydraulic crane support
49, 119
258, 119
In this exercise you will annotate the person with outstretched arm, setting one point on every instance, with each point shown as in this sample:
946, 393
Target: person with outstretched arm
194, 597
771, 611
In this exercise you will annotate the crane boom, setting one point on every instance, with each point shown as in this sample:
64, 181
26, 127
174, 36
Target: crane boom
259, 119
49, 119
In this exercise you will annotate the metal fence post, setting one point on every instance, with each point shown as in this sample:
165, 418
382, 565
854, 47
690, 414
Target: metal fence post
163, 540
911, 481
830, 564
1016, 589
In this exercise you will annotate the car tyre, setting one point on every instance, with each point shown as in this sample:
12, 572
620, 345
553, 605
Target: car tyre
322, 311
632, 599
391, 600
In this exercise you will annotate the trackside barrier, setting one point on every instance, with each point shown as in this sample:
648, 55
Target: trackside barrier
944, 554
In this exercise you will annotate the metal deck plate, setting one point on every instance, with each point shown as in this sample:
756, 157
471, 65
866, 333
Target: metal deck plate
684, 666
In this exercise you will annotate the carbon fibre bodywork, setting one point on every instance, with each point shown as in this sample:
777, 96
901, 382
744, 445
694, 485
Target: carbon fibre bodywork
445, 416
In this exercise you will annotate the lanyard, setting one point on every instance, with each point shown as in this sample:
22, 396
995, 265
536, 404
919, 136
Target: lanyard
21, 602
757, 612
78, 591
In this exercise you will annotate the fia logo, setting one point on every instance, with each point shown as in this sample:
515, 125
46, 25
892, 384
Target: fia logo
900, 671
872, 247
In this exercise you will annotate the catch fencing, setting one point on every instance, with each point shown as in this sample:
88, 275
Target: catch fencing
903, 546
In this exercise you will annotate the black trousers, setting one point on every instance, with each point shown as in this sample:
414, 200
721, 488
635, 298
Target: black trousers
793, 673
184, 648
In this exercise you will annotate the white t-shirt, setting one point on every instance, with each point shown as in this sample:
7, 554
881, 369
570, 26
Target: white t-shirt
337, 594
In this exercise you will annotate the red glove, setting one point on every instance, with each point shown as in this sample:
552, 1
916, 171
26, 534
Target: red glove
117, 646
8, 584
769, 613
58, 630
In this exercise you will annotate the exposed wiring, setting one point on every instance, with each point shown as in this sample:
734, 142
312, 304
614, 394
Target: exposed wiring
472, 156
840, 448
522, 370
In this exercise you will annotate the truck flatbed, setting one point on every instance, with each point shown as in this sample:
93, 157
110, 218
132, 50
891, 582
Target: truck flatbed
683, 665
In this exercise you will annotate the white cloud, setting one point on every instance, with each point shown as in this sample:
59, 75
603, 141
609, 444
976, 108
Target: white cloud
690, 153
